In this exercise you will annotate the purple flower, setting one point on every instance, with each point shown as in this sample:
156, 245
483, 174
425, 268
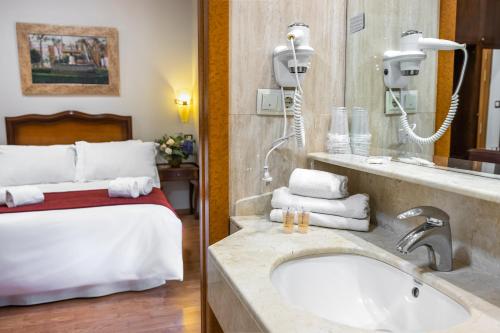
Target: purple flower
187, 147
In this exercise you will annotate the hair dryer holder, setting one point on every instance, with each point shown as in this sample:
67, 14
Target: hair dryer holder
284, 66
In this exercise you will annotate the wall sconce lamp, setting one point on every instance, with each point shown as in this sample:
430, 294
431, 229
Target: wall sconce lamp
184, 103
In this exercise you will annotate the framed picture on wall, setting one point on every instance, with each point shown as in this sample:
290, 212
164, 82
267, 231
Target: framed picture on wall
68, 60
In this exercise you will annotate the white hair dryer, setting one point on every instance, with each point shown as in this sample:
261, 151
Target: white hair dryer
283, 58
401, 65
290, 65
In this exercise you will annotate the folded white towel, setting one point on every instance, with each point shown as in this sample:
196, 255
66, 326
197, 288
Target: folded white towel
318, 184
123, 188
328, 221
2, 195
23, 195
356, 206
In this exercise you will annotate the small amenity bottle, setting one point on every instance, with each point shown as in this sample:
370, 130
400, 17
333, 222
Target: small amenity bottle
288, 219
303, 221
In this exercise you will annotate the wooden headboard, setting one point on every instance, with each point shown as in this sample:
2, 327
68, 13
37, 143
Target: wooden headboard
67, 127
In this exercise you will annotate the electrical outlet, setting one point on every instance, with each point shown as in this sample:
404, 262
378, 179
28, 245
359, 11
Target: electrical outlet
407, 99
390, 105
269, 102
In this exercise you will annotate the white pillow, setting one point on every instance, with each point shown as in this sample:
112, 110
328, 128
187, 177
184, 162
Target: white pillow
26, 165
110, 160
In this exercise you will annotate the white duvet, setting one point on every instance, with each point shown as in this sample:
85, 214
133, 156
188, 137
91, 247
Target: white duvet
52, 255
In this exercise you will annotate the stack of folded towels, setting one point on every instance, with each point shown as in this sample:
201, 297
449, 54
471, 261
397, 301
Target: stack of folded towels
325, 196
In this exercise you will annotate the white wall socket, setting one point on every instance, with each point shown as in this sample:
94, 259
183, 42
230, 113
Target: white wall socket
269, 102
407, 98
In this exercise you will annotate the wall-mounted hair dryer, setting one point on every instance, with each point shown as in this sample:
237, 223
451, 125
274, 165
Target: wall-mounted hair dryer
290, 64
283, 58
401, 65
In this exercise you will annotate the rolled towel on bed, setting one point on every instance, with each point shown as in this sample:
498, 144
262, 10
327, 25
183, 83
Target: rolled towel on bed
145, 185
124, 188
2, 195
23, 195
356, 206
328, 221
318, 184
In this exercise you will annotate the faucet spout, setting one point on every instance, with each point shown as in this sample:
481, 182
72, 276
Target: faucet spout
434, 234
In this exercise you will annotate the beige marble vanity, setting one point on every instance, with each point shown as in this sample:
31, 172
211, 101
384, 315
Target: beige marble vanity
244, 299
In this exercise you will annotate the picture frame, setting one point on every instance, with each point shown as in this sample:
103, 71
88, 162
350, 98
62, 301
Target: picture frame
68, 60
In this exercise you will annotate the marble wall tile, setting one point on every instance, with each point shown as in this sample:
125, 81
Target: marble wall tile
385, 20
256, 28
475, 223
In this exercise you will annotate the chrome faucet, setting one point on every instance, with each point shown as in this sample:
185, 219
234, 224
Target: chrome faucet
435, 234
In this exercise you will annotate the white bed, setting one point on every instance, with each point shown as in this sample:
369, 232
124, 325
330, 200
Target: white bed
60, 254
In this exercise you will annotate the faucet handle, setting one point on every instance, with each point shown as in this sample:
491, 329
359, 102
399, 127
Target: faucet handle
434, 216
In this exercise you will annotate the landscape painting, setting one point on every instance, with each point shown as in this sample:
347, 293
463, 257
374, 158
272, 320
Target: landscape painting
68, 60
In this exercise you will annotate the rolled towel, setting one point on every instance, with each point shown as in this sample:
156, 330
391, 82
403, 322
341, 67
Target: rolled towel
328, 221
318, 184
2, 195
23, 195
356, 206
145, 185
123, 188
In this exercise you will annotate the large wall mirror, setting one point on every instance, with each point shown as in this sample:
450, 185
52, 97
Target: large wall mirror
471, 144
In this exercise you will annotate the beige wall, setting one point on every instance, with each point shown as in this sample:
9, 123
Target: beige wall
256, 28
385, 20
157, 45
156, 58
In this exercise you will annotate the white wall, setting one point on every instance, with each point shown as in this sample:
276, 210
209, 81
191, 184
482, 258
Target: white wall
493, 129
157, 55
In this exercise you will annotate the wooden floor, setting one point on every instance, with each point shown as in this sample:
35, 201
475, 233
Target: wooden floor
174, 307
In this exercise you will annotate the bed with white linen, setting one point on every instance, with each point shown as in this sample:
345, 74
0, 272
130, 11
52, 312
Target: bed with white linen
87, 252
84, 252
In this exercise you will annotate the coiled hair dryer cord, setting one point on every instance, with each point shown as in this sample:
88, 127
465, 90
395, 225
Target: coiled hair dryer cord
449, 117
298, 119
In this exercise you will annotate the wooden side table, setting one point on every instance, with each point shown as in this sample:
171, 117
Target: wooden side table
186, 172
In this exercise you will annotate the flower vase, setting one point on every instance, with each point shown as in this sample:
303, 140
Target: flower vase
175, 161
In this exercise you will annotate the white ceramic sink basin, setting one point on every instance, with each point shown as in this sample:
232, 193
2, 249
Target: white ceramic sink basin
365, 293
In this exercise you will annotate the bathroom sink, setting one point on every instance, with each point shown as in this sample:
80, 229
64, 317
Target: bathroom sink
365, 293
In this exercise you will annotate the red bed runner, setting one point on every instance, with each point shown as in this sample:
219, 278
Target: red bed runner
87, 199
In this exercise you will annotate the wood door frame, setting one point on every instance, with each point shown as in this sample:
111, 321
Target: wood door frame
484, 97
447, 30
213, 63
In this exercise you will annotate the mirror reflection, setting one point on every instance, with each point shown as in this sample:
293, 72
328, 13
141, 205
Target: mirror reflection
430, 75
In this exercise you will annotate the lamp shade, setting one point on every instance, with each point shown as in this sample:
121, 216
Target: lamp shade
183, 102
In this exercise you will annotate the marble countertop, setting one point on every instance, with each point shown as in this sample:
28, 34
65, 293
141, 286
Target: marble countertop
247, 258
475, 186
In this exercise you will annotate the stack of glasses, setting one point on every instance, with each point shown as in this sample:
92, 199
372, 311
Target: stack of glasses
360, 132
338, 141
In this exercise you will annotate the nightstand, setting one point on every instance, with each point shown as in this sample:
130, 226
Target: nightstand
186, 172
